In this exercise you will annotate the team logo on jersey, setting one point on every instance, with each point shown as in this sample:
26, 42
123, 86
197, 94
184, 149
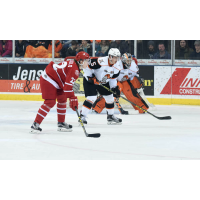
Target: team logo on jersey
121, 72
71, 61
77, 73
129, 73
100, 61
112, 72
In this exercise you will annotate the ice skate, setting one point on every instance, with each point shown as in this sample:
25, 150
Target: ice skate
35, 128
83, 119
112, 120
64, 127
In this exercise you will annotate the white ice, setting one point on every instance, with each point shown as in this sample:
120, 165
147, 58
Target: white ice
140, 137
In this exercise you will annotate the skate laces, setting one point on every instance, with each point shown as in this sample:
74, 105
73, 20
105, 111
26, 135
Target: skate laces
36, 125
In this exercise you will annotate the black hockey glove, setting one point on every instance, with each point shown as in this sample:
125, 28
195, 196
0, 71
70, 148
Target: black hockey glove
116, 91
93, 80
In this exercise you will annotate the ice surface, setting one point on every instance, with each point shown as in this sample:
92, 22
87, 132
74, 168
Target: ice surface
140, 137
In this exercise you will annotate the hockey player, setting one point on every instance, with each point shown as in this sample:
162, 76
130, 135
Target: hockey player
57, 82
104, 70
128, 82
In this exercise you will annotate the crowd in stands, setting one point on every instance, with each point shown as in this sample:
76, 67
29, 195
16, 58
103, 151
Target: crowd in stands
5, 48
155, 49
146, 49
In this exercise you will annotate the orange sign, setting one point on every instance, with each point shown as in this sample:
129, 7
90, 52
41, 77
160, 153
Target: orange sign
25, 86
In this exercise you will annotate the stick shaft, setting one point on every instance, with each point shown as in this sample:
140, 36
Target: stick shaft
167, 117
81, 122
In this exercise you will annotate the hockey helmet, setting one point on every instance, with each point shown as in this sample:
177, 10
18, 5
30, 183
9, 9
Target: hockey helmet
126, 59
82, 56
114, 52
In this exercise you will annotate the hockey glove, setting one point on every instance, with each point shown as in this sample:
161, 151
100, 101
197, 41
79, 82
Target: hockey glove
93, 80
73, 103
116, 91
141, 80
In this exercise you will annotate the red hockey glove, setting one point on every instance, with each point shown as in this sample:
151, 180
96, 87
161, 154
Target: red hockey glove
73, 103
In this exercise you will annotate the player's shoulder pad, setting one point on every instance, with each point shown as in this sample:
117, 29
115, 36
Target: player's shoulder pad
94, 64
134, 67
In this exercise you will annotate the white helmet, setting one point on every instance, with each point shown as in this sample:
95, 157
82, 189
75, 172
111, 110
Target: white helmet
114, 52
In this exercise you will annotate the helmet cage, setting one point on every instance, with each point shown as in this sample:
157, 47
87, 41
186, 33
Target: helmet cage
125, 58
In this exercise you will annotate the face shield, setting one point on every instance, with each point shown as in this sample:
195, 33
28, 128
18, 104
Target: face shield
128, 62
84, 63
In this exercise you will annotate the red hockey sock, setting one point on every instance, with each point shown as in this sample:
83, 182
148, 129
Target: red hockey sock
61, 111
44, 110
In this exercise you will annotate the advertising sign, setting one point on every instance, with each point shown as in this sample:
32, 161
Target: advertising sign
147, 72
177, 80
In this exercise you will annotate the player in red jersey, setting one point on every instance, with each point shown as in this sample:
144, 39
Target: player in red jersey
56, 83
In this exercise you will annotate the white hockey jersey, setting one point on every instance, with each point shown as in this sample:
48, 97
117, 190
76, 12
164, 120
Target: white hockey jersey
103, 71
126, 74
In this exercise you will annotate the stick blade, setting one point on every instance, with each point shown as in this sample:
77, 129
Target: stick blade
95, 135
165, 118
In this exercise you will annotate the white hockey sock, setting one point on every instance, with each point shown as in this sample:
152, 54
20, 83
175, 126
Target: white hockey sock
110, 111
85, 111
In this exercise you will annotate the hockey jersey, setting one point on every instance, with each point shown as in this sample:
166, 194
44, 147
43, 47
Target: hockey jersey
126, 74
103, 71
62, 75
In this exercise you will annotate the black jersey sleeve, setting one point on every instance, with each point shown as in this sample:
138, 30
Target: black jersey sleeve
94, 64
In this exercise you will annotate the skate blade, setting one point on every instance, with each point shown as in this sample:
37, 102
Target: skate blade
64, 130
114, 123
33, 131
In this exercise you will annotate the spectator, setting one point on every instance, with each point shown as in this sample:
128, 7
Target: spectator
66, 44
57, 48
124, 46
5, 48
102, 50
71, 51
86, 47
115, 44
37, 43
97, 44
183, 51
162, 54
20, 48
44, 43
151, 50
195, 55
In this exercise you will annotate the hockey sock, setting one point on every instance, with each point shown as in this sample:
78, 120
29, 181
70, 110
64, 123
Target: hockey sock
86, 107
61, 111
110, 108
44, 110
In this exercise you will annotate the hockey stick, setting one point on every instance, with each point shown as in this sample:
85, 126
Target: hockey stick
141, 93
95, 135
161, 118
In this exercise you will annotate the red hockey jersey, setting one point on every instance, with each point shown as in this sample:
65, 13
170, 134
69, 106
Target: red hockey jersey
62, 76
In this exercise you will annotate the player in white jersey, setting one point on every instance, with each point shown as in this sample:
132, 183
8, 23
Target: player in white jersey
104, 70
128, 82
